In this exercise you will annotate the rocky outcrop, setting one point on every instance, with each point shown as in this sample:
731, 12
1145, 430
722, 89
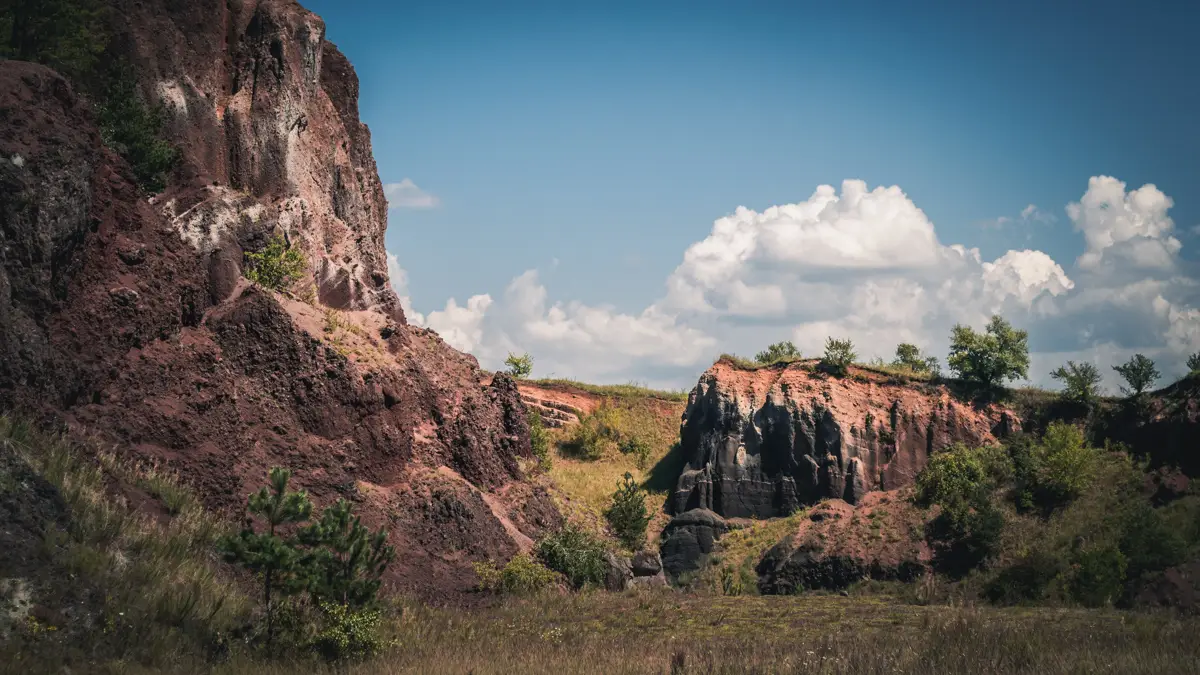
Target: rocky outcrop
761, 443
688, 539
126, 319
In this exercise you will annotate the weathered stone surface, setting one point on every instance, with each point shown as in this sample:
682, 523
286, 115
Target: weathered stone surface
646, 563
688, 539
655, 581
761, 443
618, 574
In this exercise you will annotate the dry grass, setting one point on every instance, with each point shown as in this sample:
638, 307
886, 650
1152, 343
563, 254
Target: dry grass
667, 632
631, 390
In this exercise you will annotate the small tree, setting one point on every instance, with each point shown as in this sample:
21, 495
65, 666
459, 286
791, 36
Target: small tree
275, 559
1081, 381
277, 266
627, 514
990, 358
1193, 362
539, 439
780, 351
839, 354
347, 559
519, 366
1139, 372
909, 356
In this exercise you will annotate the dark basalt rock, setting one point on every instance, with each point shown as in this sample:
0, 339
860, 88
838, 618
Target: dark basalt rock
688, 539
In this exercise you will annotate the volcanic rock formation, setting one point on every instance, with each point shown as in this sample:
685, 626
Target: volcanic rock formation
127, 318
761, 443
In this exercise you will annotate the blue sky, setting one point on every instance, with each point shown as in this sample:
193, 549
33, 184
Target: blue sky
596, 142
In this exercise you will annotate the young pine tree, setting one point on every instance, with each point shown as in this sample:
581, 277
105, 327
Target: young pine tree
275, 559
346, 559
627, 515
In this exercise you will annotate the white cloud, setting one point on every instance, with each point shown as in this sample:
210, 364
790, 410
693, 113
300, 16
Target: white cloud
1031, 214
406, 195
865, 264
399, 279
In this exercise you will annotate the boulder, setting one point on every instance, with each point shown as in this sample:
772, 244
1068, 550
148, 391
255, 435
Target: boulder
688, 540
618, 573
646, 563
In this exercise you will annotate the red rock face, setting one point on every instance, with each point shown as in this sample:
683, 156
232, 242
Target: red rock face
127, 319
760, 443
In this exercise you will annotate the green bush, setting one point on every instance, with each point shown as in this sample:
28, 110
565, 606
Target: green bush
990, 358
348, 634
1097, 576
345, 560
909, 356
959, 474
1139, 373
277, 266
539, 439
520, 576
638, 448
1193, 362
839, 354
69, 36
574, 553
1064, 466
626, 515
1026, 580
519, 366
967, 530
594, 435
134, 131
1081, 381
780, 351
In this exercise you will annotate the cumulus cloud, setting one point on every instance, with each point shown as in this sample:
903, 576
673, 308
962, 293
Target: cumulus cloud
866, 264
406, 195
399, 278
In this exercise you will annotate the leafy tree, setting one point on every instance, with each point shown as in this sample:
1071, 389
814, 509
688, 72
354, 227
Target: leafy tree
909, 356
1053, 472
277, 266
1139, 373
575, 554
780, 351
519, 366
960, 481
1193, 362
347, 560
627, 514
1081, 381
839, 354
990, 358
274, 558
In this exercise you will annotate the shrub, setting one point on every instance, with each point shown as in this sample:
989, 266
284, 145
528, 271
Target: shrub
520, 576
968, 528
1026, 580
1081, 381
519, 366
133, 129
1064, 466
1097, 576
626, 515
595, 433
539, 439
780, 351
957, 475
277, 266
638, 448
909, 356
1139, 373
1193, 362
348, 634
990, 358
346, 560
575, 554
70, 36
839, 354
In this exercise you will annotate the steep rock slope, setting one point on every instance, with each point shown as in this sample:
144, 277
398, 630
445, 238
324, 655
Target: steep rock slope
760, 443
127, 319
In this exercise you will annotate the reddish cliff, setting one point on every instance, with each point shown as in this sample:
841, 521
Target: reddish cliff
128, 319
760, 443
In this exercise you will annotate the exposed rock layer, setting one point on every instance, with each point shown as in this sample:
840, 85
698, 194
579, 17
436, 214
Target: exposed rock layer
761, 443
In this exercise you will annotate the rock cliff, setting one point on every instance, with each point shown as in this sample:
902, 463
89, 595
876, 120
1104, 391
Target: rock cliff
127, 319
760, 443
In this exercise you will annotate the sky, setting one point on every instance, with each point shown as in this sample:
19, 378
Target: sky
625, 190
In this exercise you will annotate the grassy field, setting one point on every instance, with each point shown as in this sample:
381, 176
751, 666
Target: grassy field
631, 390
669, 632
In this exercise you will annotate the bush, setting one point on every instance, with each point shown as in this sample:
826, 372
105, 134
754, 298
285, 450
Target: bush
69, 36
595, 433
909, 356
780, 351
1193, 362
1064, 466
134, 130
575, 554
627, 514
277, 266
1026, 580
519, 366
345, 560
1081, 381
968, 528
348, 634
1139, 373
958, 475
638, 448
839, 354
539, 439
989, 359
1097, 576
520, 576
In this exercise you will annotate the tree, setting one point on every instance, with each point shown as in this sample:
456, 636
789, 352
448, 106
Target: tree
839, 354
1139, 372
275, 559
67, 35
627, 514
1193, 362
780, 351
347, 560
990, 358
1081, 381
519, 366
909, 356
